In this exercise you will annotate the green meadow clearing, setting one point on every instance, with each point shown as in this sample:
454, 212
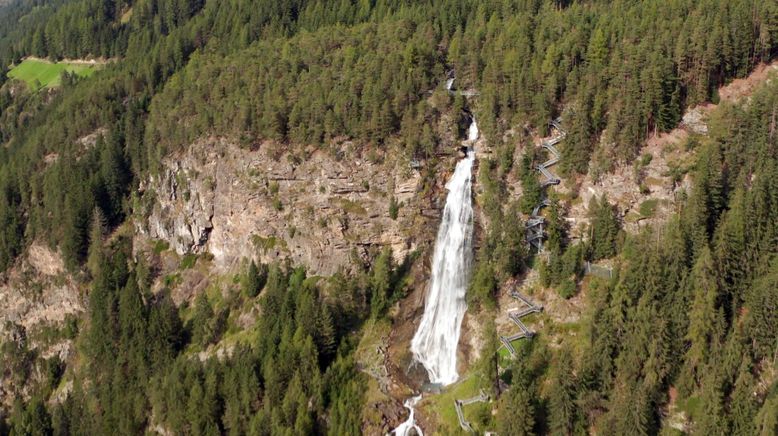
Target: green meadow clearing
40, 73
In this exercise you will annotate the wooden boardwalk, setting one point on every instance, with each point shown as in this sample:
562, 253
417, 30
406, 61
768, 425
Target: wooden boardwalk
458, 404
515, 315
535, 231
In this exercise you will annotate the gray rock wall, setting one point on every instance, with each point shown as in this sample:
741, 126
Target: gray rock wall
316, 210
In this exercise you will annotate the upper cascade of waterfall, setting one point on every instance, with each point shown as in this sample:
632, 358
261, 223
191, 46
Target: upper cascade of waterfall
449, 84
472, 131
435, 343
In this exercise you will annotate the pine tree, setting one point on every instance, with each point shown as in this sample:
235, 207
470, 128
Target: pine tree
202, 321
511, 252
515, 415
75, 228
255, 279
712, 419
96, 251
531, 191
767, 418
605, 228
114, 173
489, 364
381, 282
327, 339
196, 418
743, 406
562, 406
705, 323
483, 285
762, 317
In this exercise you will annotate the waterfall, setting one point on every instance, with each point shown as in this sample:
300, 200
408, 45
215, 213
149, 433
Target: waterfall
435, 343
405, 428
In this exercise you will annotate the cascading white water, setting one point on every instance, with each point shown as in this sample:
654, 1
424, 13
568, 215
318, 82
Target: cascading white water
435, 343
405, 428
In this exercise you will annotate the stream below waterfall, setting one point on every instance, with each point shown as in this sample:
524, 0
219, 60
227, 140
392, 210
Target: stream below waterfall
405, 428
435, 343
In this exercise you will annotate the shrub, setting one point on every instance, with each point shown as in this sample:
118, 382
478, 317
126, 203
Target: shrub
566, 289
188, 261
394, 208
256, 277
648, 207
483, 286
160, 246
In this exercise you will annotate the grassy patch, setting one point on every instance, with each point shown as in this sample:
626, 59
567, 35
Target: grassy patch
263, 244
240, 337
442, 406
668, 431
566, 289
126, 16
374, 335
569, 332
44, 74
172, 280
266, 245
692, 406
648, 207
505, 356
352, 207
632, 217
653, 181
188, 261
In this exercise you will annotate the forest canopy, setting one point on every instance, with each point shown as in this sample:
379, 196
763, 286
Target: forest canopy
307, 72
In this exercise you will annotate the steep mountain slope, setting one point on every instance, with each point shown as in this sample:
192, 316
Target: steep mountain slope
228, 228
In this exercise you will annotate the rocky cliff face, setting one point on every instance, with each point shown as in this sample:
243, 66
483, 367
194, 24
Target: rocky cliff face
36, 296
37, 291
317, 209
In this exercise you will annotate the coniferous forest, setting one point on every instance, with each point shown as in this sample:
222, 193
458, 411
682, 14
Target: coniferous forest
685, 325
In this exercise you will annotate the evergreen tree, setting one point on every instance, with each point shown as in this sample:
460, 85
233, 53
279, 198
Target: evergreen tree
326, 334
762, 318
531, 190
202, 321
767, 418
255, 279
381, 282
743, 406
489, 364
33, 419
705, 321
605, 228
562, 396
712, 418
516, 413
96, 251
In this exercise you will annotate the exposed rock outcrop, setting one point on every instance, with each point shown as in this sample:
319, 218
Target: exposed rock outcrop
654, 182
317, 210
36, 294
37, 291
